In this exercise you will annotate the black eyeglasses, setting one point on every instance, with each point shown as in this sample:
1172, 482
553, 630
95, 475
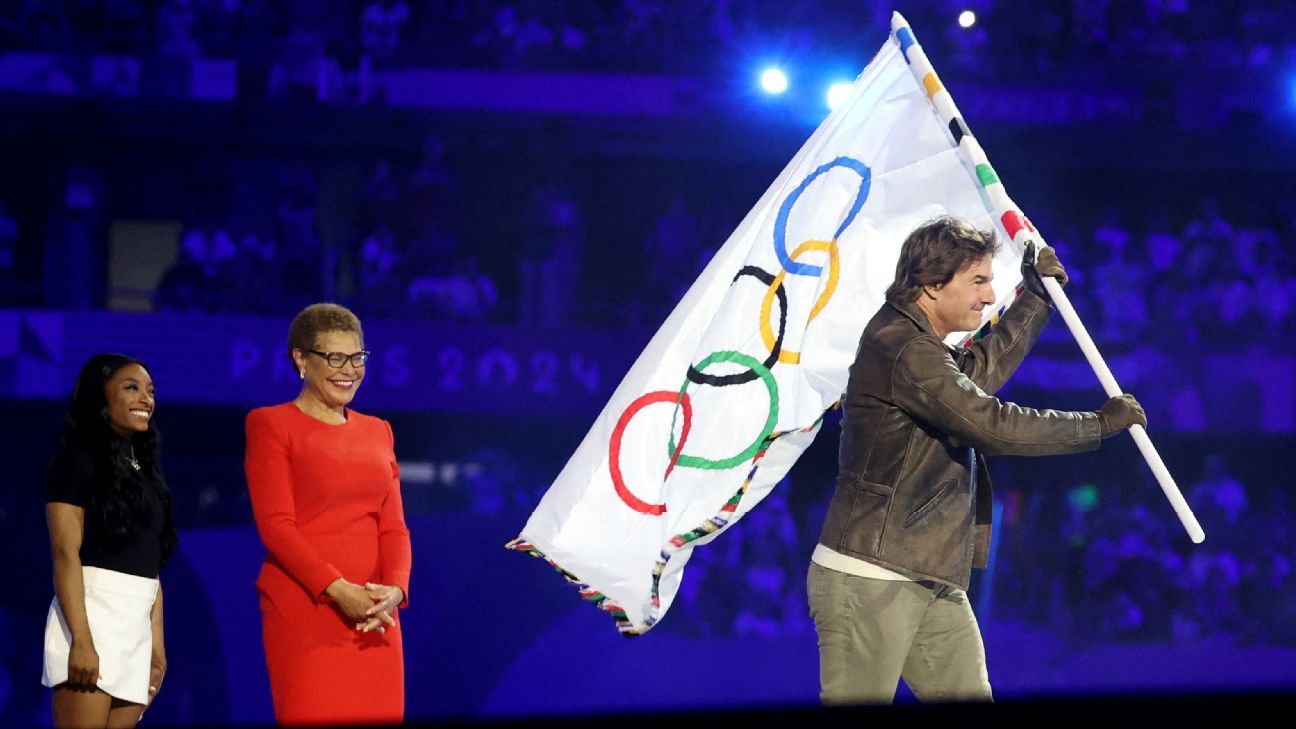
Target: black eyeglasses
337, 359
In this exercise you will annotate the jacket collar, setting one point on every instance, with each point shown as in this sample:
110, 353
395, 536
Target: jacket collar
910, 309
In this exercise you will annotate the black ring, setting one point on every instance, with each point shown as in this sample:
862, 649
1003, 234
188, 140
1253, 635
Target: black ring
739, 378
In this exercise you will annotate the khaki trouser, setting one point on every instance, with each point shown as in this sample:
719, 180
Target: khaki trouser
873, 632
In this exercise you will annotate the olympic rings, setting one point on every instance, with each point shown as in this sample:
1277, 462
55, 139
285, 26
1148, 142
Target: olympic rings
834, 271
614, 455
771, 386
772, 344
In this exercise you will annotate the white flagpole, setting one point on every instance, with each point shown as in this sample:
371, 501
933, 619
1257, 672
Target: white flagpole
1112, 389
1022, 231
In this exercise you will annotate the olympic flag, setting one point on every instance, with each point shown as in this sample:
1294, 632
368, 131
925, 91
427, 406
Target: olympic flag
733, 387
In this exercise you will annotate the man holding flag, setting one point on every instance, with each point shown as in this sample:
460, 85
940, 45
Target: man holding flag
736, 383
912, 510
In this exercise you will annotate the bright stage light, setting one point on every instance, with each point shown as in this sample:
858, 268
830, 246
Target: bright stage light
967, 19
774, 81
837, 94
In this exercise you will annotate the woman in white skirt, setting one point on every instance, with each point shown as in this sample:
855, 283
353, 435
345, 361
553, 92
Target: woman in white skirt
111, 529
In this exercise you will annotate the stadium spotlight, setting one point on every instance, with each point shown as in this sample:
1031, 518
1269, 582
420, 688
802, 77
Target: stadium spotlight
773, 81
837, 94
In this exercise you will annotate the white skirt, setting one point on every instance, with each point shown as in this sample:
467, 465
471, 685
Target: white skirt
119, 608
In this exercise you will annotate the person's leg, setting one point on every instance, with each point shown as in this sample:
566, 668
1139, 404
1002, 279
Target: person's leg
76, 707
947, 662
865, 628
124, 714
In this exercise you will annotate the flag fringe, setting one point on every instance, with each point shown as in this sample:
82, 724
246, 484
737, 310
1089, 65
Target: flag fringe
587, 593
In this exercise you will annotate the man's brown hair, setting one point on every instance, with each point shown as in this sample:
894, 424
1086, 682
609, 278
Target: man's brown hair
934, 252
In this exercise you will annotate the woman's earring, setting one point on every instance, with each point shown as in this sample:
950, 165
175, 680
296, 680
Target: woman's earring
301, 374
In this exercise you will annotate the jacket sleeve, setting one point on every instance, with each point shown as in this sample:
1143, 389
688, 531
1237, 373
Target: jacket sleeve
394, 549
990, 361
269, 478
929, 385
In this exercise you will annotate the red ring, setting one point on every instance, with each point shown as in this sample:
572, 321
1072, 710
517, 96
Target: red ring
614, 446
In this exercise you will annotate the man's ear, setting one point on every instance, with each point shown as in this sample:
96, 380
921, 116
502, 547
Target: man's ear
927, 291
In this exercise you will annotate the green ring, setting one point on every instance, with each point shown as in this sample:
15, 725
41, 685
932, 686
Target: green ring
770, 385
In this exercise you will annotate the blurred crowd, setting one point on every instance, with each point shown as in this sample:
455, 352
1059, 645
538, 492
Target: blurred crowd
425, 237
1139, 277
408, 241
347, 40
393, 250
1217, 276
1102, 557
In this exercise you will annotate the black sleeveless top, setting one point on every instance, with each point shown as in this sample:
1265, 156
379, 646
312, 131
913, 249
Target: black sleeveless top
73, 477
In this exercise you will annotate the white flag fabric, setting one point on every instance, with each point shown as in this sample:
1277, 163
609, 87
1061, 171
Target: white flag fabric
733, 387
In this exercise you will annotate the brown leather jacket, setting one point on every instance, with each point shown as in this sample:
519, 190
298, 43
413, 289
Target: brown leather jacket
913, 494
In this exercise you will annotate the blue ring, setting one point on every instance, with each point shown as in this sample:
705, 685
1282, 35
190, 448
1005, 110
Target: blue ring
780, 223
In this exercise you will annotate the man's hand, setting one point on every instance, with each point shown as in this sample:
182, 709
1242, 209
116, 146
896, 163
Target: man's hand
1119, 413
1035, 266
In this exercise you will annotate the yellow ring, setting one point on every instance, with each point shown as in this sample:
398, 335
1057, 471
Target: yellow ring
787, 356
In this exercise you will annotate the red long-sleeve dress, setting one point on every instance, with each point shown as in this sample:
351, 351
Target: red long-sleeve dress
327, 504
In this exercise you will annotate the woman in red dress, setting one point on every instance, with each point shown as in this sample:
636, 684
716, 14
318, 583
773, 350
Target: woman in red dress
325, 493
